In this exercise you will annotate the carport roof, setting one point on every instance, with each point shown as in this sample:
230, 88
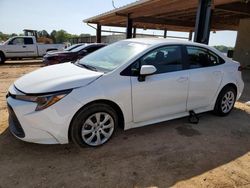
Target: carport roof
176, 15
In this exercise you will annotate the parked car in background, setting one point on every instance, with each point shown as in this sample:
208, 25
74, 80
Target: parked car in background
71, 54
129, 83
69, 48
25, 47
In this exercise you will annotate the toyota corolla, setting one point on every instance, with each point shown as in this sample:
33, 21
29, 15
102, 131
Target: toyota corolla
128, 84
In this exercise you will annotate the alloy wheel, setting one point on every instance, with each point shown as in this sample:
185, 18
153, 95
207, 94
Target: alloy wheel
97, 129
227, 102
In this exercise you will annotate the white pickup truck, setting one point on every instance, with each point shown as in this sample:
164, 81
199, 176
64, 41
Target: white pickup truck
25, 46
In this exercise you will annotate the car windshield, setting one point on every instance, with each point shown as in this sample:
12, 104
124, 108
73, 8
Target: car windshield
79, 48
112, 56
72, 47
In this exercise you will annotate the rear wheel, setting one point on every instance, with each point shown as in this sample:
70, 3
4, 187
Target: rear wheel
225, 101
2, 58
94, 125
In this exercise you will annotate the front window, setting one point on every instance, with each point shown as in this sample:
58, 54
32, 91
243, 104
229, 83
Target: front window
17, 41
110, 57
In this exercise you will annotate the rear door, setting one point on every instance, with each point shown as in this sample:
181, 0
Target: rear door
205, 74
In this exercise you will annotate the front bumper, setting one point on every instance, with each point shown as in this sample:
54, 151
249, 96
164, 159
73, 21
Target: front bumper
14, 124
48, 126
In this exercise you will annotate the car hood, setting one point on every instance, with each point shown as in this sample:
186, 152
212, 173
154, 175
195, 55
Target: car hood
56, 78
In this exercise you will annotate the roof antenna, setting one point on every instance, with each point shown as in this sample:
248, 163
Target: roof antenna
113, 3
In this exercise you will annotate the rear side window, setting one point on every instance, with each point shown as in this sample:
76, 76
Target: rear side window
201, 57
28, 41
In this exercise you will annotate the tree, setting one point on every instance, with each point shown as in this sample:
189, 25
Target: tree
223, 49
62, 36
43, 33
53, 36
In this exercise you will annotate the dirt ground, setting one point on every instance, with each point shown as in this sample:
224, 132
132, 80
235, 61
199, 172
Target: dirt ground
213, 153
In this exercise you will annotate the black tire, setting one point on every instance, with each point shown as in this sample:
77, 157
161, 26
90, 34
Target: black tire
2, 58
78, 123
218, 109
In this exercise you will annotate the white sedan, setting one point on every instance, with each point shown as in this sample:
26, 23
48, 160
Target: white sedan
128, 84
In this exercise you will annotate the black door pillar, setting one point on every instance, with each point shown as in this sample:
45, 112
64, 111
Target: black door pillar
165, 33
99, 33
190, 35
129, 32
203, 21
134, 32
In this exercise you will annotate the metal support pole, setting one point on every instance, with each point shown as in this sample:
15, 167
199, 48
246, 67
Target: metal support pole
203, 21
165, 33
99, 33
129, 28
134, 32
190, 35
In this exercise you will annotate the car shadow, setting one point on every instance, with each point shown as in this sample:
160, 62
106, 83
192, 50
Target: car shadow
157, 155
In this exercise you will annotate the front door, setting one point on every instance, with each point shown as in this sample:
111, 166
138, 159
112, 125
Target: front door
163, 93
16, 48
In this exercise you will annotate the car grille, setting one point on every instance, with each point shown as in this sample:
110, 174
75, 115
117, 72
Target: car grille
14, 124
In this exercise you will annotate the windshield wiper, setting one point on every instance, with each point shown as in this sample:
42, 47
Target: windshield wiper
87, 66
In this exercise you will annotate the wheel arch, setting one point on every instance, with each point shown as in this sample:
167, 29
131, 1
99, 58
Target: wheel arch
114, 105
3, 57
230, 84
2, 53
233, 85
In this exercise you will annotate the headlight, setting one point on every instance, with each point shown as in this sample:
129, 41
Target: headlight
44, 101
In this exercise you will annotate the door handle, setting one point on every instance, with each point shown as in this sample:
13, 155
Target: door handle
24, 46
182, 79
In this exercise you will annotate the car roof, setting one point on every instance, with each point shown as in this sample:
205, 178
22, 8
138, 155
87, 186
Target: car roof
158, 41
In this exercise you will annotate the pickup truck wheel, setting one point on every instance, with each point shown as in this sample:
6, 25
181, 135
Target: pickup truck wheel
2, 58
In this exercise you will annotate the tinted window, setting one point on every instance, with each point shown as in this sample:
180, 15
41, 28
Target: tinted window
93, 48
79, 48
165, 59
70, 48
200, 57
28, 41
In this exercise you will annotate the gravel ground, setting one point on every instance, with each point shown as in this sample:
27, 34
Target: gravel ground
213, 153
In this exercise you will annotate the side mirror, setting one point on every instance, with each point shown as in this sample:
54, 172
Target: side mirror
146, 70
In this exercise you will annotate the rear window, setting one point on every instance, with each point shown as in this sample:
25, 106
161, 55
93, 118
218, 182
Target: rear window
28, 41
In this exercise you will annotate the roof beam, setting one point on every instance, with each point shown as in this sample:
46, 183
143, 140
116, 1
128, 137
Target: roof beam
238, 8
153, 20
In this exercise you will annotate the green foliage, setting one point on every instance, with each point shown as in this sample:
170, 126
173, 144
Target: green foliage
4, 37
223, 49
59, 36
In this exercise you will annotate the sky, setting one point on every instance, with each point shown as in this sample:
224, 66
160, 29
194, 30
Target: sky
16, 15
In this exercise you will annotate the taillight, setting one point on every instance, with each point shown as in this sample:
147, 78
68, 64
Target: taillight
240, 68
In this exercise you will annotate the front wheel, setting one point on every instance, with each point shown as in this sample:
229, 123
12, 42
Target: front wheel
2, 58
225, 101
94, 125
